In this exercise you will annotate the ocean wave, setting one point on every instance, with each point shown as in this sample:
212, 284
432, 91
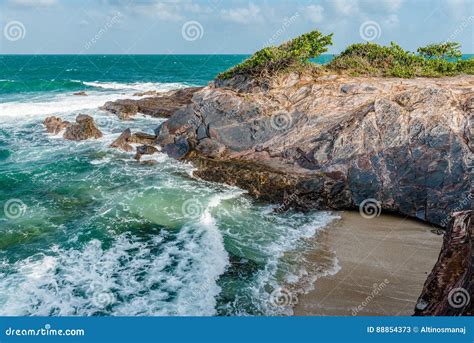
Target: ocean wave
170, 273
137, 86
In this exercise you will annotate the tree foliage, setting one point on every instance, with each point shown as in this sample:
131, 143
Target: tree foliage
273, 59
447, 50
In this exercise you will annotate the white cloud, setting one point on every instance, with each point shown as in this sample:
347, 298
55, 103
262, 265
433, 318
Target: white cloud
346, 7
315, 13
33, 3
167, 11
243, 15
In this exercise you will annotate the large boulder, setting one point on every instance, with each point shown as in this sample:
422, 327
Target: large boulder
83, 129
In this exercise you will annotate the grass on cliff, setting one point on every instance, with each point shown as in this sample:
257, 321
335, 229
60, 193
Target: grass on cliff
371, 59
367, 59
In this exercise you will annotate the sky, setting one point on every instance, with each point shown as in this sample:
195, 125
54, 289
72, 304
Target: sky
224, 26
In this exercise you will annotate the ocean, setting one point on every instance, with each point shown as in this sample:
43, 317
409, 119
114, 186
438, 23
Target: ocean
86, 230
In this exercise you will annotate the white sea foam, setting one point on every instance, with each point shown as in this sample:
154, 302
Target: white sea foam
67, 102
137, 86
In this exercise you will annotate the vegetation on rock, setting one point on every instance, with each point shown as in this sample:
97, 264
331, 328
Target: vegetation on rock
369, 59
270, 60
434, 60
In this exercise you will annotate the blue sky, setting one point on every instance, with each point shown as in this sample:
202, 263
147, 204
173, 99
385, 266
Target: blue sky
224, 26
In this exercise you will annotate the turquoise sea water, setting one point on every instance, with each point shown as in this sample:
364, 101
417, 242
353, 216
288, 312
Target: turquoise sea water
86, 230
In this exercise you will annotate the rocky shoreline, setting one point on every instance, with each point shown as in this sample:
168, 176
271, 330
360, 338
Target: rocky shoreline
333, 142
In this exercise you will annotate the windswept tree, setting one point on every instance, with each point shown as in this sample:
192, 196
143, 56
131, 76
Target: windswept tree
446, 50
271, 60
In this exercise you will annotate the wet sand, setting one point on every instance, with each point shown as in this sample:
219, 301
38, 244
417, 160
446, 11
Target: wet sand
384, 262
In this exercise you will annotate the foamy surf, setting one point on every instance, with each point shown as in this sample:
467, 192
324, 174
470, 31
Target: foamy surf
67, 102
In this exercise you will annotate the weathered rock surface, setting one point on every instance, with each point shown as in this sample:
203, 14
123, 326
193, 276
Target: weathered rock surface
449, 289
55, 125
122, 142
405, 143
160, 105
125, 140
83, 129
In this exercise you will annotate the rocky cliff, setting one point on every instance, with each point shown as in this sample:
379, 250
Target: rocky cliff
335, 141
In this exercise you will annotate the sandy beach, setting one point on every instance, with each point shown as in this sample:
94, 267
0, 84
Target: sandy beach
384, 262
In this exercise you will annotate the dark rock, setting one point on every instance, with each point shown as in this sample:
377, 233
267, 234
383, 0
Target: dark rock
80, 94
211, 148
83, 129
449, 288
178, 149
145, 150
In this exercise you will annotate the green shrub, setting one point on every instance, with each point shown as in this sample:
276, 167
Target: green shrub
271, 60
447, 50
392, 61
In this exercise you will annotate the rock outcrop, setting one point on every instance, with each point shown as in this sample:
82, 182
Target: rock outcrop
83, 129
404, 144
449, 289
126, 138
160, 105
55, 125
122, 141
